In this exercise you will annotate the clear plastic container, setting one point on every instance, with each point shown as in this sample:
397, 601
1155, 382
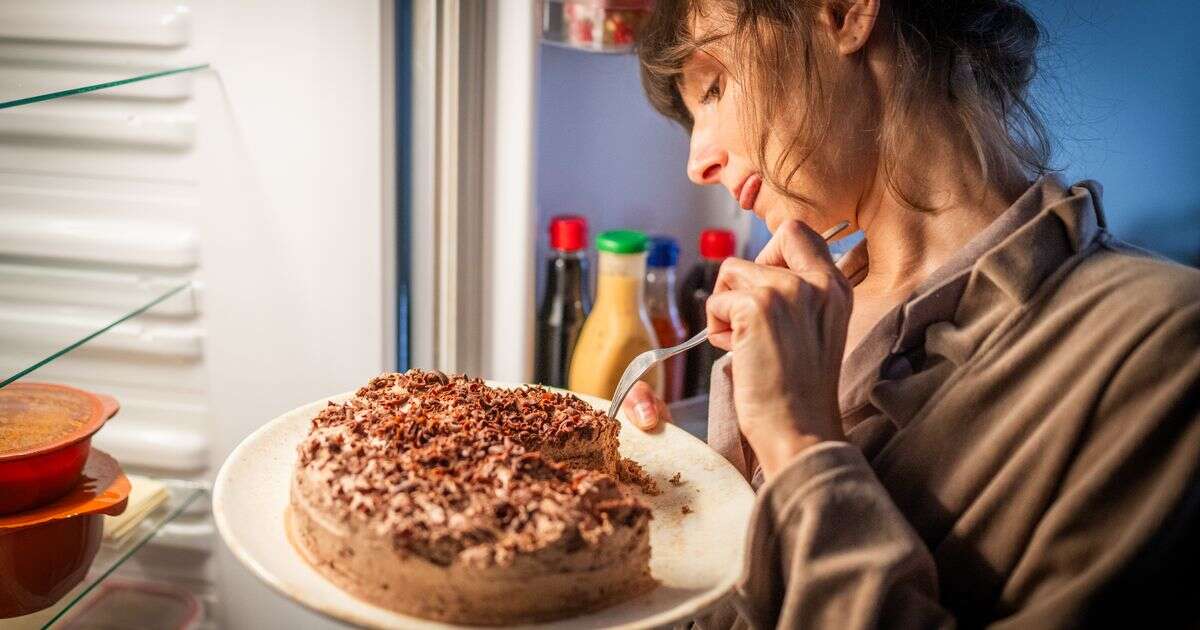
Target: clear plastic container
609, 26
137, 605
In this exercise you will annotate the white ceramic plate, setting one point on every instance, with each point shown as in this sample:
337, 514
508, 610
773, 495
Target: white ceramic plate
696, 557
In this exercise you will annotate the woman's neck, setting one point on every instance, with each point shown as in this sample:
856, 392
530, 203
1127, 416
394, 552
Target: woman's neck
906, 245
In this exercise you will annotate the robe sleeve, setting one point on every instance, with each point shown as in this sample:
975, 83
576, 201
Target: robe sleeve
828, 548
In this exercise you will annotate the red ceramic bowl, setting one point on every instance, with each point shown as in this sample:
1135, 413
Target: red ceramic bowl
36, 474
47, 551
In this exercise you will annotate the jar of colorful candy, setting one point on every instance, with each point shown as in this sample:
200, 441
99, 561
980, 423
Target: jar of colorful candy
595, 25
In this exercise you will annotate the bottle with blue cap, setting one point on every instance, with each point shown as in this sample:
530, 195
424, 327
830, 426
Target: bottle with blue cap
664, 313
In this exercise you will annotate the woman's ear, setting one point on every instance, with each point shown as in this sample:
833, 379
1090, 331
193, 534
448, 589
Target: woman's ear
850, 23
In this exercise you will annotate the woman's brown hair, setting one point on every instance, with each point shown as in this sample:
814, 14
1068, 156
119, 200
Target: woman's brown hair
976, 58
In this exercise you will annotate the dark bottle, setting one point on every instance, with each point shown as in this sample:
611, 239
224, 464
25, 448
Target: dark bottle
715, 246
566, 302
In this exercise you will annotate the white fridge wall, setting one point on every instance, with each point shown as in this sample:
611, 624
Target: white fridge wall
293, 229
292, 224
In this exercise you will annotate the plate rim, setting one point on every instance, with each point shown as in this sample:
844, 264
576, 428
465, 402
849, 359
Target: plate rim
702, 602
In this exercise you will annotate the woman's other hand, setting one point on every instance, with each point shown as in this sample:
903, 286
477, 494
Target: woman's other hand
784, 318
644, 408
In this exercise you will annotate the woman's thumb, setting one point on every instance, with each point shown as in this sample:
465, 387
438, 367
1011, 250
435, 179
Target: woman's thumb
640, 407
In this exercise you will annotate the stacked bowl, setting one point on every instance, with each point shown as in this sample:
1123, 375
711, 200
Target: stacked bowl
55, 490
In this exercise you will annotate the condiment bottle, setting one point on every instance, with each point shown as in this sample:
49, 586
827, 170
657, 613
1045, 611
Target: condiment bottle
565, 303
715, 246
618, 328
664, 311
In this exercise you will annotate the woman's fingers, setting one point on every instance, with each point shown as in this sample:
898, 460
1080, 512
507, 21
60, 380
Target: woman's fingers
752, 294
725, 310
810, 270
737, 274
644, 408
722, 340
797, 247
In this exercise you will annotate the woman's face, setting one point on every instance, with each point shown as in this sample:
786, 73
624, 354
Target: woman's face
836, 174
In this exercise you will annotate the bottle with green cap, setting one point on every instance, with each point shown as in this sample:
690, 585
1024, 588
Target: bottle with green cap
618, 328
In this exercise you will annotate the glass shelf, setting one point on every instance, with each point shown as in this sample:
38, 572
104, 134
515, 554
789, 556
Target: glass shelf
35, 84
67, 329
112, 556
95, 287
66, 279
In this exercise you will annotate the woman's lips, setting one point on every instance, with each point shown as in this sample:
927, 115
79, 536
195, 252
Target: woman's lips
748, 193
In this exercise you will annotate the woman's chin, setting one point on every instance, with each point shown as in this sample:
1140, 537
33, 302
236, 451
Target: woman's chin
815, 222
776, 219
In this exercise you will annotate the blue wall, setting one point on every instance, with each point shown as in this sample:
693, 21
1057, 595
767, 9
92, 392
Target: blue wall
1121, 90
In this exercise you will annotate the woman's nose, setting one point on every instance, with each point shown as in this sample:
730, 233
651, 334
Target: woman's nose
705, 159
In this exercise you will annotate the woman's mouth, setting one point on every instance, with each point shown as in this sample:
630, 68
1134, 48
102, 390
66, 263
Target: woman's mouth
748, 192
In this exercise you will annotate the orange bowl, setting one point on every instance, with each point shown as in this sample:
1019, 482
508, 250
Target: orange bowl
35, 474
47, 551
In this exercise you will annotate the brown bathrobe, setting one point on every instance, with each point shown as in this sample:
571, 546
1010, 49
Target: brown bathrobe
1023, 446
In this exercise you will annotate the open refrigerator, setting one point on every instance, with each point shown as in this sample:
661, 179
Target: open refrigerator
218, 211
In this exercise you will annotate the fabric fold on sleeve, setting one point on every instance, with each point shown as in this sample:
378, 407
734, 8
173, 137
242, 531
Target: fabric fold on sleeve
828, 548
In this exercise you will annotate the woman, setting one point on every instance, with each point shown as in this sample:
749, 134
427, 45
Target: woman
987, 412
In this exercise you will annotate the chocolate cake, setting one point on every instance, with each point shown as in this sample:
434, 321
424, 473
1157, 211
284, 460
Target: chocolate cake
440, 497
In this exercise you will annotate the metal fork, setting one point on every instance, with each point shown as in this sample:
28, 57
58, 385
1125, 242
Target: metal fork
646, 360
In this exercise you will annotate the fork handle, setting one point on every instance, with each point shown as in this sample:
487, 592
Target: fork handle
631, 377
696, 340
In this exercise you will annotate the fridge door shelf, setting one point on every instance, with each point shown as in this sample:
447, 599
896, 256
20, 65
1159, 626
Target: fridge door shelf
599, 26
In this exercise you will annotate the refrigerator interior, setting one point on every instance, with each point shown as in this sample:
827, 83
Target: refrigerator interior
215, 179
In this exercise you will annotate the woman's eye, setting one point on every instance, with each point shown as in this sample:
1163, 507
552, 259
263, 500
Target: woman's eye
713, 91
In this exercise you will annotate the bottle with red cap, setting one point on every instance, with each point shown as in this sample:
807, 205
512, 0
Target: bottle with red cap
715, 246
565, 303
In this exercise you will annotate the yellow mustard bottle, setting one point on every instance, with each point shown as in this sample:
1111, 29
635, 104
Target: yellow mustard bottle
618, 328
